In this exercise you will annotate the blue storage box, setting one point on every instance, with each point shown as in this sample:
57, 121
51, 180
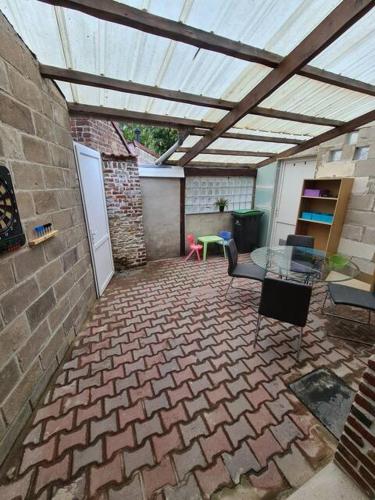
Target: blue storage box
319, 217
327, 218
306, 215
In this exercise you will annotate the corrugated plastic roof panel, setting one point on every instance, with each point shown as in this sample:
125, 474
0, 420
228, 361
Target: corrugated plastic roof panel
69, 39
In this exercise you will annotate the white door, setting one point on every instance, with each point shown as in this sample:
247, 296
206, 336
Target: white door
292, 174
93, 196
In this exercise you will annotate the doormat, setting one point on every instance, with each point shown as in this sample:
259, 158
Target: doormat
327, 397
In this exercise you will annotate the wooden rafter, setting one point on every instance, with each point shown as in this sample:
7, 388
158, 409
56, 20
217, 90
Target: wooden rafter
116, 114
250, 137
213, 164
195, 127
319, 139
237, 171
334, 25
116, 12
229, 152
82, 78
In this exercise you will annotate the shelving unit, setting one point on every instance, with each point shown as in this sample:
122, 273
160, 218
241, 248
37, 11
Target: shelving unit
41, 239
326, 234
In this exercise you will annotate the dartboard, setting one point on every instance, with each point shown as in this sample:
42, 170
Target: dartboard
11, 234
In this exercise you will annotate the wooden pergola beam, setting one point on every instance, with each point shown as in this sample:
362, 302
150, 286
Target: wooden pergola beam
214, 164
195, 127
250, 137
104, 82
319, 139
237, 171
228, 152
335, 24
125, 15
116, 114
295, 117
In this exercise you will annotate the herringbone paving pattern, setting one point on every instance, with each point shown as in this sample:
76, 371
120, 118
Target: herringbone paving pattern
164, 395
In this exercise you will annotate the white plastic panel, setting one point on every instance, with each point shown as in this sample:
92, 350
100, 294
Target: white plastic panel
68, 38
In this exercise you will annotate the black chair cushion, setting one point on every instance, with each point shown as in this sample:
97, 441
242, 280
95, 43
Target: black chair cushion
285, 300
299, 240
248, 270
349, 296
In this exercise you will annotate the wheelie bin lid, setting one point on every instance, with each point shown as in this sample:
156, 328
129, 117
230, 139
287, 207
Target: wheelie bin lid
246, 212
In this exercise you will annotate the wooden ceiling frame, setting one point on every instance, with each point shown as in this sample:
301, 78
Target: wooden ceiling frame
332, 27
129, 87
337, 22
215, 164
326, 136
228, 152
104, 113
112, 11
251, 137
193, 127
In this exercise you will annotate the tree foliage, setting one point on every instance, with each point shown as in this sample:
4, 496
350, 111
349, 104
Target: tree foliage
156, 138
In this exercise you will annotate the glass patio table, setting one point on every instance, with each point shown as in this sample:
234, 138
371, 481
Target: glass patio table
309, 263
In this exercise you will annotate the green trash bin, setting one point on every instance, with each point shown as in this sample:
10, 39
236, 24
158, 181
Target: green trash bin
246, 226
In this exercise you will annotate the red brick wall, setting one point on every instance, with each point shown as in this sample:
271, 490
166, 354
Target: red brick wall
356, 450
122, 187
99, 135
124, 205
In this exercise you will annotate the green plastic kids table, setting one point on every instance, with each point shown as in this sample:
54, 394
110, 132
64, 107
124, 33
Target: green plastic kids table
206, 240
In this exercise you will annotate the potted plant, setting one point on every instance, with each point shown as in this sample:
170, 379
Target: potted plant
221, 203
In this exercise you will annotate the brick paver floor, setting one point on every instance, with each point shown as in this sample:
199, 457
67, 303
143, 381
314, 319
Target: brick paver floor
164, 395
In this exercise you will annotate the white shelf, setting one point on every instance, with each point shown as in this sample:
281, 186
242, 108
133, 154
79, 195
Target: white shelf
316, 221
320, 197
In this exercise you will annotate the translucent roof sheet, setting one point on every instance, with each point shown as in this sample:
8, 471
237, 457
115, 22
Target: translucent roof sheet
70, 39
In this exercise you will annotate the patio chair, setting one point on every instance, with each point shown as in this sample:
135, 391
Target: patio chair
193, 247
300, 240
245, 270
286, 301
352, 297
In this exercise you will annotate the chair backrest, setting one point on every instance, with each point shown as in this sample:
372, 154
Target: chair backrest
285, 300
232, 256
190, 239
300, 240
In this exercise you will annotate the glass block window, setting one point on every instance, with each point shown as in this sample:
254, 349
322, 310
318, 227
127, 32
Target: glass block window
352, 137
335, 155
361, 153
202, 192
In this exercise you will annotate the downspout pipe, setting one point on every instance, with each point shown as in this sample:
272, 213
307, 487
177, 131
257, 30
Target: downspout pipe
164, 157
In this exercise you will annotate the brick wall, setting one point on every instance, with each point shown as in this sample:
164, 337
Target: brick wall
45, 292
124, 205
358, 235
356, 450
122, 188
103, 136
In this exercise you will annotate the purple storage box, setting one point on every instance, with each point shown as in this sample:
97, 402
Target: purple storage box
312, 192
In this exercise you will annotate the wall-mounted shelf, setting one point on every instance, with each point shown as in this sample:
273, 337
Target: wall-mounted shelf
41, 239
316, 221
326, 234
320, 197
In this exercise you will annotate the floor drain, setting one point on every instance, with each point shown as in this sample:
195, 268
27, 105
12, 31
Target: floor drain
327, 397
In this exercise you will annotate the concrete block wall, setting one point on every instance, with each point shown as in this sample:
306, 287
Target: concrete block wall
356, 450
46, 291
122, 188
358, 235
